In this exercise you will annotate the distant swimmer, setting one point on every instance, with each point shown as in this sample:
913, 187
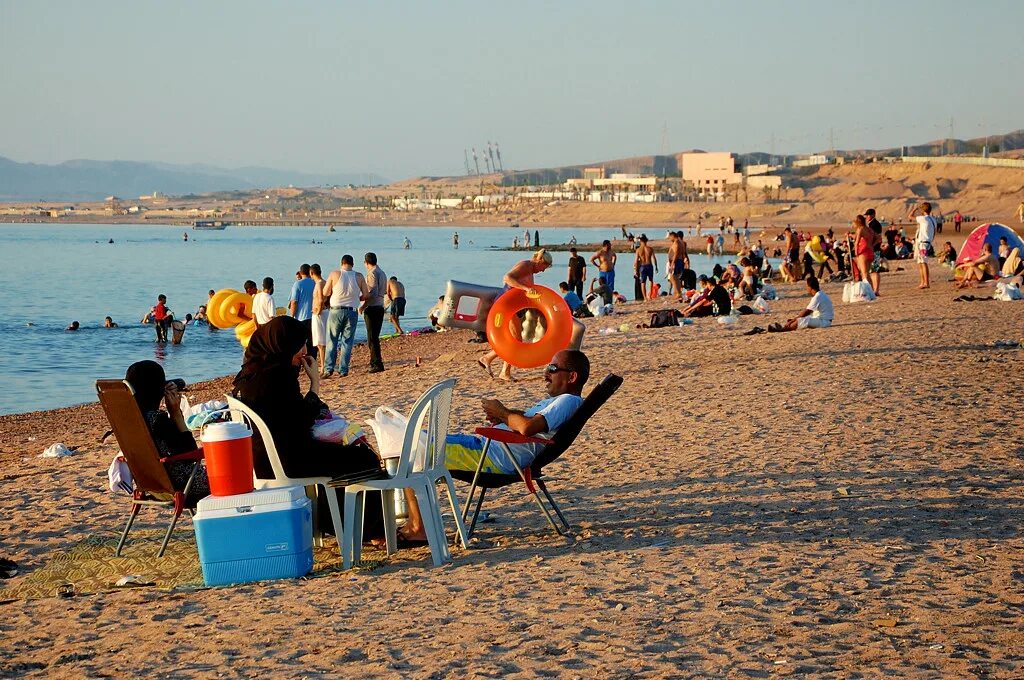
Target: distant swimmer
406, 243
184, 237
455, 240
108, 322
110, 241
73, 327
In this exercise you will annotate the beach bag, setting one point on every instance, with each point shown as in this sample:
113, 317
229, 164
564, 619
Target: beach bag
858, 291
663, 318
1007, 292
119, 476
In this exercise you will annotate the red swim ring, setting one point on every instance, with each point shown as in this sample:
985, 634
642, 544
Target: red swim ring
521, 354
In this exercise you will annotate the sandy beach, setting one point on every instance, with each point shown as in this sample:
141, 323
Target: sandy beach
843, 502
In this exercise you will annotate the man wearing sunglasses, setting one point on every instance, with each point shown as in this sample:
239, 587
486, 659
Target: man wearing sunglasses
565, 377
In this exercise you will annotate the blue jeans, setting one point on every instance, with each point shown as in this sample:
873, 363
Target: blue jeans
341, 325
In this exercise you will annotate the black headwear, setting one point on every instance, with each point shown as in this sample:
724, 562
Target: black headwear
147, 378
268, 358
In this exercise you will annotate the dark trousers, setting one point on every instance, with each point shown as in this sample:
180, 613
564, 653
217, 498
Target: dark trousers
577, 286
161, 328
373, 317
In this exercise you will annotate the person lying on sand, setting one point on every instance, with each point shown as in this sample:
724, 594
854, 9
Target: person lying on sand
565, 377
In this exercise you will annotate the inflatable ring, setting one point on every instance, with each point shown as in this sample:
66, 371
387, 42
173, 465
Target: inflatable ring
235, 309
509, 347
244, 332
213, 306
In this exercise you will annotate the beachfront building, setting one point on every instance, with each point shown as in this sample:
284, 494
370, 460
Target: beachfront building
620, 187
813, 160
709, 173
409, 204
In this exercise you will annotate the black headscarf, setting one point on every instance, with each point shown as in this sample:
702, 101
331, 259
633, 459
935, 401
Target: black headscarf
268, 358
147, 378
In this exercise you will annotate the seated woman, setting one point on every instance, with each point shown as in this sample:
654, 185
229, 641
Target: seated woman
985, 267
749, 285
268, 383
170, 434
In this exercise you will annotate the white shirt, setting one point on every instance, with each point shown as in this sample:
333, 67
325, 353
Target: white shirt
263, 309
821, 306
345, 292
925, 229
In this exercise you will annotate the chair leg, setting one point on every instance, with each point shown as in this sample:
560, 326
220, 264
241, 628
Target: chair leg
460, 524
318, 536
348, 529
476, 479
476, 512
435, 501
332, 503
127, 527
429, 522
167, 535
547, 513
554, 505
387, 499
357, 529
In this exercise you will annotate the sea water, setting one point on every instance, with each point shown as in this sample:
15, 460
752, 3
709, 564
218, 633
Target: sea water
51, 275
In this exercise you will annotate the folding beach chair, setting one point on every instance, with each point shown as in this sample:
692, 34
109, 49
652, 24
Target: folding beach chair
152, 484
532, 476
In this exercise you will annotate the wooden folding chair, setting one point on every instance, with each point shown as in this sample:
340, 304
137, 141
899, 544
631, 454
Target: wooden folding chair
152, 485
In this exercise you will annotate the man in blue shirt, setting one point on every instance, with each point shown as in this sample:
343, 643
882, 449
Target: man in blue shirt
300, 305
565, 377
570, 297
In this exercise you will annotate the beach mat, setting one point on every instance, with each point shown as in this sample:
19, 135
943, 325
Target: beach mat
90, 567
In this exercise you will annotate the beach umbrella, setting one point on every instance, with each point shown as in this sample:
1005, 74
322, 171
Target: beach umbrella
990, 234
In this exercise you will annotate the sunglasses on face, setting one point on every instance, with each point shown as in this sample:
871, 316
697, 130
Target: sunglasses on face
554, 368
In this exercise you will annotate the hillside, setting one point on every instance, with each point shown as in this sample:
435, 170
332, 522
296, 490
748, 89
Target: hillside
85, 180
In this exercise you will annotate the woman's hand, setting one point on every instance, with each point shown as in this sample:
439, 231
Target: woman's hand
310, 367
172, 399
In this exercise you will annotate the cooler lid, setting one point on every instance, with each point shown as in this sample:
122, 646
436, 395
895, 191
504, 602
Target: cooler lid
285, 495
226, 431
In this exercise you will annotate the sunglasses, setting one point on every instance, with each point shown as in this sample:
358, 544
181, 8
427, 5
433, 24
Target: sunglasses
554, 368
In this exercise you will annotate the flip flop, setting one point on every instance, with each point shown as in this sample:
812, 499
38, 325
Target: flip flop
486, 366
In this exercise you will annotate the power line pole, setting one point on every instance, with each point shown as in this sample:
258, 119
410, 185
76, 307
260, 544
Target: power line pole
952, 146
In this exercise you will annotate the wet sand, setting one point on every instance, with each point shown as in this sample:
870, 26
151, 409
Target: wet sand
841, 502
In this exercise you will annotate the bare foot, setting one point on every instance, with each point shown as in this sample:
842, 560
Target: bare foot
486, 366
507, 377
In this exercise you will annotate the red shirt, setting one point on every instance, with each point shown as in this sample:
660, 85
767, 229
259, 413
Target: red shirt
159, 311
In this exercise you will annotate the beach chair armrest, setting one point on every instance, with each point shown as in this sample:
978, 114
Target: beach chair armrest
190, 455
509, 437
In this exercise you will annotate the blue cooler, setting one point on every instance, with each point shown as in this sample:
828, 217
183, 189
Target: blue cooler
255, 536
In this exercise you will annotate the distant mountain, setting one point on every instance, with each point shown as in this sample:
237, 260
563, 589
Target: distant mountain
84, 180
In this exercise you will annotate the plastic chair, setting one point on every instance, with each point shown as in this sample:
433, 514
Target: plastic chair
152, 485
420, 467
532, 476
242, 413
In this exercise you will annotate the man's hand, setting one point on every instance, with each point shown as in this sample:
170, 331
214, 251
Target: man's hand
495, 411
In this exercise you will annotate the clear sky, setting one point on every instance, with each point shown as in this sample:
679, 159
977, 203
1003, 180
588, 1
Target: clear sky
401, 88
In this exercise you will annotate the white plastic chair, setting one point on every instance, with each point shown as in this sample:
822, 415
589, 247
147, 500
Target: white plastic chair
420, 467
242, 413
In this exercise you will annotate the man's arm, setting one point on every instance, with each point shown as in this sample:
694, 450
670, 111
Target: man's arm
594, 258
497, 413
329, 286
654, 260
293, 301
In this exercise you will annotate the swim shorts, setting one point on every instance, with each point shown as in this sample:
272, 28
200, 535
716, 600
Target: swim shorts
608, 279
876, 263
921, 252
398, 307
646, 272
463, 451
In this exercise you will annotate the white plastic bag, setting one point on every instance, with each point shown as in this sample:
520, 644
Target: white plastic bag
389, 429
56, 451
768, 292
119, 477
1007, 292
759, 305
859, 291
339, 431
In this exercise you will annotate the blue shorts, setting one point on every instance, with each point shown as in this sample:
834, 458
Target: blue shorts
646, 272
608, 279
